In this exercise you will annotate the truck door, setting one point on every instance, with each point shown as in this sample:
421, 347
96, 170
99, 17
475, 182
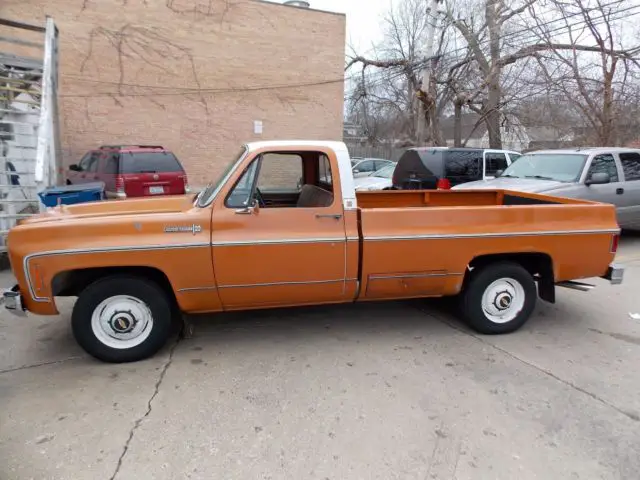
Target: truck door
278, 240
612, 192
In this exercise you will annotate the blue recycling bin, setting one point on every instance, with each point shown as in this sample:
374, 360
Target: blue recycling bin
71, 194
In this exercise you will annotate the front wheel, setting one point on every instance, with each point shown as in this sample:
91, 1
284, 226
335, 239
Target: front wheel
499, 298
122, 319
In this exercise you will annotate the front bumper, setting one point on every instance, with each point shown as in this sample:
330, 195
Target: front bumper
13, 301
615, 274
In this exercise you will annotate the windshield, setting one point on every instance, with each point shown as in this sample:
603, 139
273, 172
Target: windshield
386, 172
562, 167
208, 194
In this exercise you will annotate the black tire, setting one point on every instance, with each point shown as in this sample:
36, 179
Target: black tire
149, 298
471, 300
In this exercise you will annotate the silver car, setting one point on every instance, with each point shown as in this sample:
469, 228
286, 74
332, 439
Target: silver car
363, 167
608, 175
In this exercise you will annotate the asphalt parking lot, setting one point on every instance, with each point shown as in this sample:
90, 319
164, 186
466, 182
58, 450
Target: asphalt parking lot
392, 390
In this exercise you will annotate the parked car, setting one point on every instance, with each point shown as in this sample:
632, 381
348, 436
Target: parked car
607, 174
380, 180
271, 244
363, 167
442, 167
131, 171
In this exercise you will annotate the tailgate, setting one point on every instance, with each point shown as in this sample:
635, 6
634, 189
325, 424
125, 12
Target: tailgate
161, 183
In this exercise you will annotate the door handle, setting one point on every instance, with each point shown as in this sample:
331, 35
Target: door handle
335, 216
619, 191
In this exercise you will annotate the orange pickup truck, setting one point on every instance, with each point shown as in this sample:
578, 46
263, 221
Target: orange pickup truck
283, 226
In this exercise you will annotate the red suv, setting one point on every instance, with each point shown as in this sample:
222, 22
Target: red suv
131, 171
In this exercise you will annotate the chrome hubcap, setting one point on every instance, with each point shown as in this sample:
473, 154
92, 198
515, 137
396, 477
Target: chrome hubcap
122, 321
503, 300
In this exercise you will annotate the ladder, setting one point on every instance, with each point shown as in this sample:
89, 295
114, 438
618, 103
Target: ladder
29, 129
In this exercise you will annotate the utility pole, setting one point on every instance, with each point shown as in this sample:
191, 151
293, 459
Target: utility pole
427, 69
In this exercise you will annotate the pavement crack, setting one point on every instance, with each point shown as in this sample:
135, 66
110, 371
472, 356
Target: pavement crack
630, 415
139, 421
41, 364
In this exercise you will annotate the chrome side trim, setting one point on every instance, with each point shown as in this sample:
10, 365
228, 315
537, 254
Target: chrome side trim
196, 289
436, 236
416, 275
53, 253
278, 284
278, 241
353, 239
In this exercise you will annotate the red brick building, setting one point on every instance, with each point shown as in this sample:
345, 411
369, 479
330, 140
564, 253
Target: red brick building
197, 76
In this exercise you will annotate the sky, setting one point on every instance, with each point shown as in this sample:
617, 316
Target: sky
363, 19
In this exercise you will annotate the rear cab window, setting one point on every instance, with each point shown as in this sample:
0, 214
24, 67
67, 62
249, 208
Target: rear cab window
149, 162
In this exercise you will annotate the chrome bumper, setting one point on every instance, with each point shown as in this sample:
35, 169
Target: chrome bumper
13, 301
615, 274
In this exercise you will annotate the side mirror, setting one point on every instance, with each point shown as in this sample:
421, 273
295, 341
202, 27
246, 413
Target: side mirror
599, 178
499, 173
75, 168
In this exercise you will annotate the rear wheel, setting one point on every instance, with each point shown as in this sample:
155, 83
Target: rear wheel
499, 298
122, 319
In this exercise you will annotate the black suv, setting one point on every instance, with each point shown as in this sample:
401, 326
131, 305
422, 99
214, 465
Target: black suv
443, 167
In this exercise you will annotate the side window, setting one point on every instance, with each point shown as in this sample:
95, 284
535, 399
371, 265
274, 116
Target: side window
604, 164
92, 163
463, 166
280, 172
111, 163
380, 164
273, 180
493, 162
84, 162
630, 165
366, 166
325, 170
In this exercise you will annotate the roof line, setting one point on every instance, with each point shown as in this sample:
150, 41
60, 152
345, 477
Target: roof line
309, 9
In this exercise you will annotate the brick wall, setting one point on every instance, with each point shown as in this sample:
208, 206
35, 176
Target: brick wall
192, 75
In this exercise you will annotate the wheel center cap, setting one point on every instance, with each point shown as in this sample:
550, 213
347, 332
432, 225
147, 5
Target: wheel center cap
503, 301
122, 322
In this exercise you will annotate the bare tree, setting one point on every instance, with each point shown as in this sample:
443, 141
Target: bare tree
596, 85
395, 88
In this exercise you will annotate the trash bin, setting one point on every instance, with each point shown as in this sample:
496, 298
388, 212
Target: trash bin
70, 194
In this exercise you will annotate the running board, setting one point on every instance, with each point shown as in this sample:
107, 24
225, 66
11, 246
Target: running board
583, 287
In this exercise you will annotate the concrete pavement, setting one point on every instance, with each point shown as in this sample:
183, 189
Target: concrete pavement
391, 390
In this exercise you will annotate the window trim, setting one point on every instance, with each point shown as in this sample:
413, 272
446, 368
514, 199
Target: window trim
486, 174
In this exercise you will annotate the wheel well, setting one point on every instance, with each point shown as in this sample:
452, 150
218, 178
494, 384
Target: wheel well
539, 265
71, 283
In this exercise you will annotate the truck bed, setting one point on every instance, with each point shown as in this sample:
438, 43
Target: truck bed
417, 243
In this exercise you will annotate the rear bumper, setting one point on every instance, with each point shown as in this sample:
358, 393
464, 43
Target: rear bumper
13, 301
615, 274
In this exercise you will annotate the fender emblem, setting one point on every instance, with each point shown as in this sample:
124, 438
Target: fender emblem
183, 229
